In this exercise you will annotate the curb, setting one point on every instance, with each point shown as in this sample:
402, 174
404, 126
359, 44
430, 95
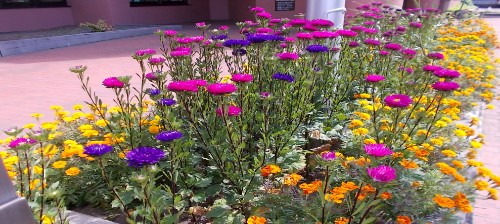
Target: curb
79, 218
14, 47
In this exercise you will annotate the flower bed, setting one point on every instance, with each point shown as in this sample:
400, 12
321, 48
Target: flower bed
313, 125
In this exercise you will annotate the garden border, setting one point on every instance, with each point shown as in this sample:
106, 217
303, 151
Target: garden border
22, 46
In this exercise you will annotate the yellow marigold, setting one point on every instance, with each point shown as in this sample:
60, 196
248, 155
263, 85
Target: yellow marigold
481, 185
341, 220
292, 179
475, 144
415, 184
440, 124
369, 141
401, 219
397, 155
90, 133
363, 96
408, 164
462, 203
460, 133
270, 169
362, 161
458, 164
446, 169
459, 177
483, 171
256, 220
73, 171
422, 132
444, 202
77, 107
363, 116
360, 131
493, 193
29, 126
59, 164
437, 141
37, 115
386, 195
337, 198
490, 106
56, 107
49, 126
310, 188
101, 123
449, 153
474, 163
355, 123
37, 170
85, 127
154, 129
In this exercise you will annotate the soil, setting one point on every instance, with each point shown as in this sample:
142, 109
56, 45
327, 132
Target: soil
65, 30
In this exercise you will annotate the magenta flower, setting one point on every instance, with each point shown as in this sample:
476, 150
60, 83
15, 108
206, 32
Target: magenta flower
264, 15
328, 156
304, 36
398, 100
409, 53
197, 82
445, 86
221, 88
347, 33
242, 78
447, 73
264, 30
177, 54
298, 22
232, 111
393, 46
182, 86
382, 173
323, 23
201, 25
113, 82
370, 31
353, 44
357, 28
257, 9
431, 68
151, 76
170, 33
288, 56
324, 34
374, 78
435, 55
145, 52
156, 61
384, 53
21, 141
377, 150
372, 42
416, 24
265, 94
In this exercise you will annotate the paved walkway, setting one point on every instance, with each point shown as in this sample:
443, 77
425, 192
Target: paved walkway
33, 82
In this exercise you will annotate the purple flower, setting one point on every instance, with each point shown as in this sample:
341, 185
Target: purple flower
409, 53
374, 78
384, 53
154, 92
400, 29
257, 9
97, 149
283, 76
21, 141
260, 38
445, 86
328, 156
265, 94
201, 24
435, 55
317, 48
167, 102
145, 52
357, 28
168, 136
231, 111
142, 156
113, 82
197, 82
221, 88
151, 76
182, 86
398, 100
242, 78
393, 46
377, 150
382, 173
370, 30
353, 44
219, 37
236, 43
431, 68
288, 56
447, 73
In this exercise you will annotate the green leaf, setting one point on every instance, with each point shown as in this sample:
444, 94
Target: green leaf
369, 220
359, 208
204, 182
216, 212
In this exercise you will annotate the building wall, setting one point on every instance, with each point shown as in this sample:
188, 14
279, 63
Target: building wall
239, 10
34, 18
219, 9
197, 11
91, 11
269, 5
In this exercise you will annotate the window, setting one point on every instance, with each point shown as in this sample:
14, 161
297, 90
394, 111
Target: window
32, 3
158, 2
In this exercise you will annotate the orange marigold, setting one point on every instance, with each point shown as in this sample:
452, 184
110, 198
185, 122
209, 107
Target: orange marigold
408, 164
462, 203
256, 220
310, 188
341, 220
402, 219
386, 195
292, 179
444, 202
270, 169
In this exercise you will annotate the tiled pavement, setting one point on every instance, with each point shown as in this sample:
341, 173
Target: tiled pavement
33, 82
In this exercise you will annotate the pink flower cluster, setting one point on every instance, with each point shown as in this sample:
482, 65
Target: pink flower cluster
377, 150
241, 78
288, 56
231, 111
186, 86
382, 173
221, 88
398, 100
374, 78
113, 82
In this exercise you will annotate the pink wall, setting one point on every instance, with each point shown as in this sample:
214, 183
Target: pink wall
269, 5
239, 10
219, 9
91, 11
34, 18
198, 10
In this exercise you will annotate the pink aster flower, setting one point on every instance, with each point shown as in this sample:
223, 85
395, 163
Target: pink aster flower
290, 39
264, 15
231, 111
370, 31
357, 28
398, 100
176, 54
156, 61
445, 86
221, 88
182, 86
384, 53
197, 82
431, 68
145, 52
353, 44
298, 22
409, 53
151, 76
372, 42
393, 46
447, 73
223, 28
310, 27
197, 39
288, 56
377, 150
382, 173
113, 82
324, 34
323, 23
374, 78
347, 33
415, 24
170, 33
435, 55
257, 9
264, 30
328, 156
201, 25
242, 78
184, 40
304, 36
21, 141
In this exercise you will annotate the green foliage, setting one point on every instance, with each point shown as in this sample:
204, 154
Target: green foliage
100, 26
